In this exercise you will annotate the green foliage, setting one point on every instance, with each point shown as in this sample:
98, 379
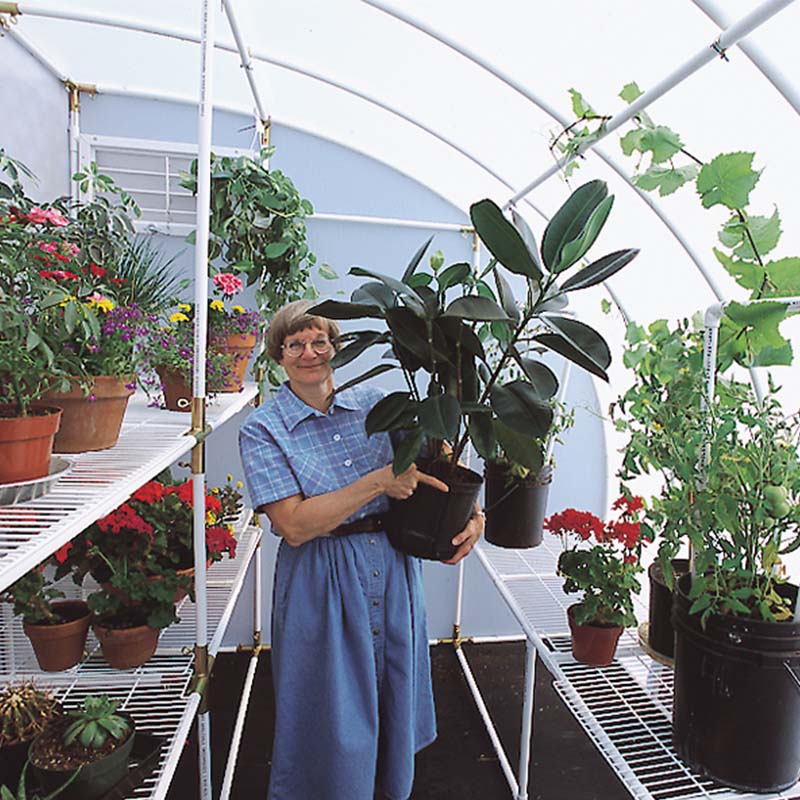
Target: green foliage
96, 722
148, 277
727, 180
22, 791
32, 596
504, 401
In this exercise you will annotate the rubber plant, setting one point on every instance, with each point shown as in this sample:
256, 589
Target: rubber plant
441, 337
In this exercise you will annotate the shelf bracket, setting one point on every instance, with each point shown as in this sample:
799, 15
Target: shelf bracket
203, 667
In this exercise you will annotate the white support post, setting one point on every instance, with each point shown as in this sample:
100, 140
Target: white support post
527, 721
727, 39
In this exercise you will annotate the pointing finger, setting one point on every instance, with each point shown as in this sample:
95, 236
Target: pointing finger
423, 477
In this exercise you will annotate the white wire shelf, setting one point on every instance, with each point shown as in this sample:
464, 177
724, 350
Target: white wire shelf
625, 708
151, 440
157, 693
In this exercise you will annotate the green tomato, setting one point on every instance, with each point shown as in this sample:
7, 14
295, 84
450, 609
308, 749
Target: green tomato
776, 501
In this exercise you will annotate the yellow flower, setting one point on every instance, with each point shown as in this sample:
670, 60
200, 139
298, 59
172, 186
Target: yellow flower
215, 490
178, 317
184, 307
210, 518
217, 305
237, 309
105, 305
239, 484
230, 477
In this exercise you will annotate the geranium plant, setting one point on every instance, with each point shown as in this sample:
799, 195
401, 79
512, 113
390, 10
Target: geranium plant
32, 597
224, 318
601, 560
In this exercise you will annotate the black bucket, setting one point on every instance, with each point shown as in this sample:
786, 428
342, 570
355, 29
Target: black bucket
660, 633
515, 507
424, 525
736, 707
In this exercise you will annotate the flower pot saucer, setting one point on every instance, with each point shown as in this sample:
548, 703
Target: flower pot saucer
24, 491
644, 641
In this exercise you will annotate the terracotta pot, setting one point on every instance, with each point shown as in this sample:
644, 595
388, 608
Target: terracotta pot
26, 442
594, 645
91, 424
61, 646
176, 389
126, 648
239, 346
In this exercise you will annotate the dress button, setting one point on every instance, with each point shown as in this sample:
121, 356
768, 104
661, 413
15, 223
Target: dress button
348, 463
375, 631
371, 541
336, 437
376, 602
376, 573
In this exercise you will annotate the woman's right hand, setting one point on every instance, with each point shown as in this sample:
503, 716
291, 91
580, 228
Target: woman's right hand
402, 486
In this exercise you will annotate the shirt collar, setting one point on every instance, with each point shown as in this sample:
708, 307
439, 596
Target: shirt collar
294, 410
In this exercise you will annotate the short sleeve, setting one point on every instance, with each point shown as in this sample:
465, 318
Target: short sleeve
267, 472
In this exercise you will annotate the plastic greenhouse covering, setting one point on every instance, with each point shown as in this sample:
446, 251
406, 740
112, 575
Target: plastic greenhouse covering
463, 100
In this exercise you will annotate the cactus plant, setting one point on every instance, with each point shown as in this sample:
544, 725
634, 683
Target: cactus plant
25, 709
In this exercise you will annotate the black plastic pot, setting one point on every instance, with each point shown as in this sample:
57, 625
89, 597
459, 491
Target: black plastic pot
515, 507
94, 779
660, 633
736, 708
425, 524
12, 760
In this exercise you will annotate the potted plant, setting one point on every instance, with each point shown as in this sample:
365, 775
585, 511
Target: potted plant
257, 228
601, 560
232, 331
96, 740
25, 710
57, 629
465, 399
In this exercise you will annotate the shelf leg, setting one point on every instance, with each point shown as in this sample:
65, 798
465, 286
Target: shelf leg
527, 721
204, 754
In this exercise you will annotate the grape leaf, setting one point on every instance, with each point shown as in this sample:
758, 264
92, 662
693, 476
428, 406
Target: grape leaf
750, 336
579, 106
727, 180
747, 274
784, 277
630, 91
664, 179
765, 232
662, 142
632, 140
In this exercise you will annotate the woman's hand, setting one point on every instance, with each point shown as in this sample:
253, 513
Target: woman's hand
467, 539
402, 486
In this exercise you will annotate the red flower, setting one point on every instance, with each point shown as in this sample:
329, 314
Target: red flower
61, 553
628, 505
98, 272
213, 503
220, 540
124, 518
184, 492
151, 492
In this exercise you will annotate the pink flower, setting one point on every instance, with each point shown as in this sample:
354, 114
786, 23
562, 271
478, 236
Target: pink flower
38, 216
56, 218
47, 247
228, 282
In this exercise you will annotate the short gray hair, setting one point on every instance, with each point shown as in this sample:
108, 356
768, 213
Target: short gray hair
292, 318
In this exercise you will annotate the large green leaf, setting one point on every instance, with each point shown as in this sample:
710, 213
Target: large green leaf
750, 335
368, 375
502, 239
359, 343
575, 250
666, 179
387, 411
407, 451
727, 180
518, 405
577, 342
481, 434
784, 277
457, 331
539, 374
599, 270
412, 298
477, 309
439, 416
337, 309
453, 275
374, 293
763, 231
506, 296
414, 263
568, 222
519, 448
412, 333
527, 236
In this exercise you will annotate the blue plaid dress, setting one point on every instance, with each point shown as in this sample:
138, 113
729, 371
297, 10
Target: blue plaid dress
350, 658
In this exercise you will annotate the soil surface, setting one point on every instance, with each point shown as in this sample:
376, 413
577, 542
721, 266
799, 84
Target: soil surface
50, 752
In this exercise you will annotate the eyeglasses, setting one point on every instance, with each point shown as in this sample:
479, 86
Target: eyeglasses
296, 348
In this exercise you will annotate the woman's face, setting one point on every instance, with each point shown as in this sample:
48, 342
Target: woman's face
311, 365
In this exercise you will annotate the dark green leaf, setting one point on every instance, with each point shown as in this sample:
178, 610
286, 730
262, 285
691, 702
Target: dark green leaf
476, 308
568, 222
540, 375
502, 239
599, 270
386, 412
518, 448
481, 433
456, 331
397, 286
518, 405
506, 297
412, 333
419, 279
577, 342
337, 309
414, 263
407, 451
276, 249
575, 250
439, 416
368, 375
527, 236
454, 274
358, 344
374, 294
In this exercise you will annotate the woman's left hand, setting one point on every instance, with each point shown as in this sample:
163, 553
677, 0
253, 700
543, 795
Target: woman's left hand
466, 540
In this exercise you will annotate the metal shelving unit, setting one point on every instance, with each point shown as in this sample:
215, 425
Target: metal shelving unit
625, 708
158, 693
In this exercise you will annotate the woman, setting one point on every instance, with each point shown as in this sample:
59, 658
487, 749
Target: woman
350, 654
